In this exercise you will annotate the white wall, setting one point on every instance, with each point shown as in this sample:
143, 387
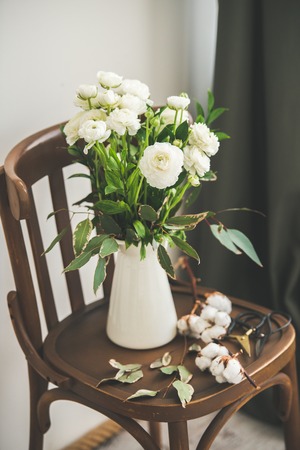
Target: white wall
48, 48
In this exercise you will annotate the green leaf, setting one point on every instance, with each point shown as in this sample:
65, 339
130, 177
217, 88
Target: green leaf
79, 261
146, 212
199, 109
186, 248
221, 136
188, 221
165, 261
209, 176
74, 150
139, 228
109, 225
210, 101
113, 179
108, 247
81, 235
169, 369
185, 374
223, 237
165, 133
244, 243
215, 114
100, 274
182, 131
185, 392
95, 243
111, 207
56, 240
200, 119
142, 393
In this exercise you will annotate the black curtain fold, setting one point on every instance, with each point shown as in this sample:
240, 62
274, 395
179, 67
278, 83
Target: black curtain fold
257, 76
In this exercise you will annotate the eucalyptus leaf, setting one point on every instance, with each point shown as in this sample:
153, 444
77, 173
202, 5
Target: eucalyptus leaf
142, 393
169, 369
184, 374
244, 243
165, 261
186, 248
81, 235
223, 237
194, 348
131, 377
166, 359
185, 392
124, 367
156, 364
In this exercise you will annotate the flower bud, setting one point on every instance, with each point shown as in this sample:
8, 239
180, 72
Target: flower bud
86, 91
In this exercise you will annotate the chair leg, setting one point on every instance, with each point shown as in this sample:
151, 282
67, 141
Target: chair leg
292, 424
155, 432
178, 436
37, 387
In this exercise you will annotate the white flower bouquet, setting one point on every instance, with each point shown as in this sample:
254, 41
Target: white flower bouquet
144, 164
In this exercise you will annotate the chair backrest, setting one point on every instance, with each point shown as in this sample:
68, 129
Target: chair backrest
43, 154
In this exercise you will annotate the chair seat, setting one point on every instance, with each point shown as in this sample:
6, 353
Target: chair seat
79, 348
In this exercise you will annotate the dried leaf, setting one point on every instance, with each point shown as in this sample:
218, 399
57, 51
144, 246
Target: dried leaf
194, 348
185, 391
131, 377
169, 369
143, 393
185, 374
166, 359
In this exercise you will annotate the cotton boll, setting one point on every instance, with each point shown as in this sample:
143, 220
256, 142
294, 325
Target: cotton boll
220, 379
219, 301
182, 325
223, 319
232, 370
216, 331
197, 324
209, 313
205, 336
217, 366
237, 379
211, 350
202, 362
223, 351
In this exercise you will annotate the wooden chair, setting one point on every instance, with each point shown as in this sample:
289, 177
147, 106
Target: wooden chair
74, 354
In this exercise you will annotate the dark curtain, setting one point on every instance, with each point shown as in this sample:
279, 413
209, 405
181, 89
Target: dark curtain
257, 76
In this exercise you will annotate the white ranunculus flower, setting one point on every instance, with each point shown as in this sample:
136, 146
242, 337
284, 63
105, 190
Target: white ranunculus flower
85, 91
93, 131
122, 120
195, 161
176, 102
71, 128
161, 164
203, 138
107, 98
168, 117
109, 79
134, 103
135, 87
